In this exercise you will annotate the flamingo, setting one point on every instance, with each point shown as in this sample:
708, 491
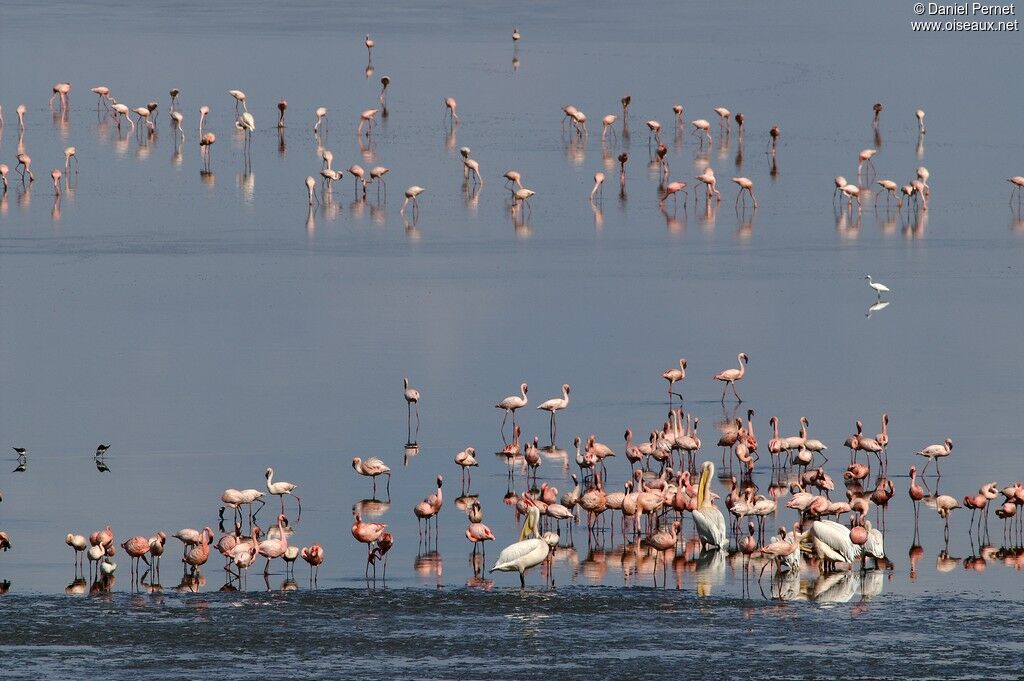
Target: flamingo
412, 396
321, 116
478, 533
522, 196
526, 553
367, 118
466, 459
513, 402
157, 543
431, 506
136, 547
672, 190
708, 178
78, 544
25, 161
198, 554
411, 194
920, 121
102, 93
282, 106
280, 489
674, 376
314, 556
70, 153
515, 34
513, 177
205, 144
310, 187
701, 127
709, 521
865, 156
378, 173
840, 182
944, 506
936, 452
730, 376
555, 405
239, 98
723, 118
177, 117
606, 124
367, 533
372, 467
746, 185
276, 547
852, 192
1017, 181
450, 105
369, 46
56, 175
598, 184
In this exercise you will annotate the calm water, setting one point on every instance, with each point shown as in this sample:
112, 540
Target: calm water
206, 326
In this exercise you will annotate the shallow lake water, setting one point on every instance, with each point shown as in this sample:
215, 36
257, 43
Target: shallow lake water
206, 325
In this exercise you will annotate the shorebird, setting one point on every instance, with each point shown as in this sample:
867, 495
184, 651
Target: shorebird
411, 194
877, 287
746, 185
371, 468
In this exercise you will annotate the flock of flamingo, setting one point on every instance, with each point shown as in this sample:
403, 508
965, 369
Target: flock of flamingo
663, 483
916, 191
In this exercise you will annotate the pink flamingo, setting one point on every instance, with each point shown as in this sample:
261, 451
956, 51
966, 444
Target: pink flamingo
314, 556
672, 190
274, 548
730, 376
430, 507
598, 184
136, 547
450, 105
199, 554
367, 533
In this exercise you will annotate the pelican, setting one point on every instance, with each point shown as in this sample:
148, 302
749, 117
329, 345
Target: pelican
877, 287
709, 520
832, 544
526, 553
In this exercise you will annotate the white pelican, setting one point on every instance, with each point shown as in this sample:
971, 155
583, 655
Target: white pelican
831, 542
525, 553
877, 287
556, 404
709, 520
873, 546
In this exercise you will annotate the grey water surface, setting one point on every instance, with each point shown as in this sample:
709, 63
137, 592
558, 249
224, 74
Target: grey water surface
206, 326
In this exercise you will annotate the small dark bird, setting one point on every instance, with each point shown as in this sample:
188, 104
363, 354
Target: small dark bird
102, 449
20, 451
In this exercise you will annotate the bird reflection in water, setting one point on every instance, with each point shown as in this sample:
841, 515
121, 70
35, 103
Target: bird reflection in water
880, 305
